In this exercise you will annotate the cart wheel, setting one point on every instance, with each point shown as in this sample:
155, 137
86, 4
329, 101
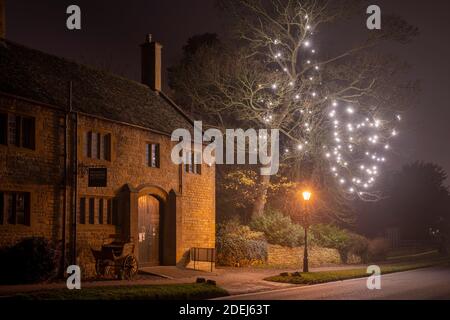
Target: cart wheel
130, 267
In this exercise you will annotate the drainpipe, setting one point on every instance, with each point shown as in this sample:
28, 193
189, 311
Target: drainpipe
64, 217
74, 117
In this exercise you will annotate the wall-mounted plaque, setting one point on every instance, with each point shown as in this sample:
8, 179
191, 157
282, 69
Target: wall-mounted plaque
98, 177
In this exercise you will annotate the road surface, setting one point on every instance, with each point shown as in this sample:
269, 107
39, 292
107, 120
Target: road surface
422, 284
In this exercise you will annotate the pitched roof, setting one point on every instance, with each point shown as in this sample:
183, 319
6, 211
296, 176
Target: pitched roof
45, 78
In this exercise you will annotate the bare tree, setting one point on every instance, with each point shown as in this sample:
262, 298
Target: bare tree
336, 112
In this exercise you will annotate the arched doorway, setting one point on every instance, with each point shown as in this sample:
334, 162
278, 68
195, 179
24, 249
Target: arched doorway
148, 203
149, 230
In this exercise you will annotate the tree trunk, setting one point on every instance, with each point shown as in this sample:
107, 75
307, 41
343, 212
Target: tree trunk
261, 197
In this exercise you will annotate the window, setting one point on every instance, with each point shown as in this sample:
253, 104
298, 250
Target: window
15, 208
2, 206
198, 163
3, 129
109, 212
97, 146
105, 205
95, 152
106, 147
82, 210
88, 145
17, 131
115, 212
152, 155
28, 130
91, 210
98, 177
188, 166
195, 166
100, 211
13, 126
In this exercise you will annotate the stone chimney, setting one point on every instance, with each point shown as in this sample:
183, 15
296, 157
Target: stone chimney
151, 63
2, 19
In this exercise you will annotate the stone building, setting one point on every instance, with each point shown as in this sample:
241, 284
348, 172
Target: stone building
85, 156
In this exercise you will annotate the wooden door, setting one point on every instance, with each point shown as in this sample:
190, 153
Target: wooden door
148, 229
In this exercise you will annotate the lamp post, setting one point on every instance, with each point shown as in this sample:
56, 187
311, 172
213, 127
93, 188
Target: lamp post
306, 197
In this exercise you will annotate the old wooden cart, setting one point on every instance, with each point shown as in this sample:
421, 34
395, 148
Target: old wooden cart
116, 259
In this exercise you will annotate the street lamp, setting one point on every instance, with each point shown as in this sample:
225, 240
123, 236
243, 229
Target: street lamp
306, 197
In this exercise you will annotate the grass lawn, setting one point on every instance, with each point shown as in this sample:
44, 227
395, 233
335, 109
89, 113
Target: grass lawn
329, 276
195, 291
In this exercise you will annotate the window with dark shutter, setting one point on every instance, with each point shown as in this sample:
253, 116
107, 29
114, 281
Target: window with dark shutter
27, 219
91, 210
10, 208
94, 145
107, 147
82, 210
13, 137
188, 166
109, 212
198, 164
28, 133
89, 144
157, 156
98, 154
100, 211
3, 128
115, 211
2, 208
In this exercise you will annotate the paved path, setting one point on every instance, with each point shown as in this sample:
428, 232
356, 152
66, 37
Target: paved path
234, 280
422, 284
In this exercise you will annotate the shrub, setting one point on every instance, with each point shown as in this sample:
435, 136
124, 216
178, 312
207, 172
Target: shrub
237, 245
378, 249
358, 245
345, 242
29, 261
329, 236
278, 229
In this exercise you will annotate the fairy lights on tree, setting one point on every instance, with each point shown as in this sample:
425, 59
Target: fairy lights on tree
358, 141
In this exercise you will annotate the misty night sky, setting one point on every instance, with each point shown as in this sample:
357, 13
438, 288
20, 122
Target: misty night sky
113, 30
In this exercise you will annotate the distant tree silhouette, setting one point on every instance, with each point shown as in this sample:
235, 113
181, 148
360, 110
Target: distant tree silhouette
417, 203
196, 43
